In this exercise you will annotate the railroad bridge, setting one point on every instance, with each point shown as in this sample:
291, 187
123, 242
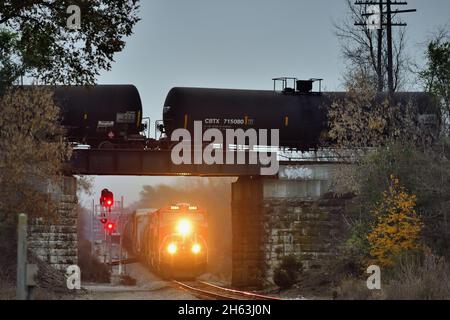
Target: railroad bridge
272, 216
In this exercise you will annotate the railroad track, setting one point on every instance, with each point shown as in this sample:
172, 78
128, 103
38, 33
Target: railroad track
214, 292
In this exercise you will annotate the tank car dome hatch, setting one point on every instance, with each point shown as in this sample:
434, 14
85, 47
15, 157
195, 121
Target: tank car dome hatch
304, 86
298, 86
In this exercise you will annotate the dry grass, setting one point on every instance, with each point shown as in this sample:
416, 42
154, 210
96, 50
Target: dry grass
93, 269
7, 289
413, 279
127, 280
426, 280
356, 289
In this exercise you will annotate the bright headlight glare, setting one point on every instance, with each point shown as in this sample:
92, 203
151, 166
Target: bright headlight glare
184, 227
172, 248
196, 248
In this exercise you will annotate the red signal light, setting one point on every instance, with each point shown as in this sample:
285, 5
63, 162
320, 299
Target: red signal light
103, 220
107, 198
110, 227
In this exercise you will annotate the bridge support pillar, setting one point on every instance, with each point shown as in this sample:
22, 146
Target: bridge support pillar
55, 241
293, 214
247, 232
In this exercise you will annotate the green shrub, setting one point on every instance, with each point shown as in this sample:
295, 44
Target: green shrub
282, 279
285, 276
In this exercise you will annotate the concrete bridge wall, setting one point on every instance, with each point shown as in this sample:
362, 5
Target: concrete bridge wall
55, 242
295, 214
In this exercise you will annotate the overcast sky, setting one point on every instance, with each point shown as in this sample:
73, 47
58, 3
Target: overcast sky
238, 44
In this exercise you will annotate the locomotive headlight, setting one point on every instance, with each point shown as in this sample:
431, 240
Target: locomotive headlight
196, 248
172, 248
184, 227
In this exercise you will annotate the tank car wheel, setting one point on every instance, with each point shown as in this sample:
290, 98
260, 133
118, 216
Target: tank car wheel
152, 144
106, 145
138, 145
166, 145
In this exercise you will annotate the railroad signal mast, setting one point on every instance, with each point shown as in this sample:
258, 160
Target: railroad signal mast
106, 202
107, 225
379, 15
107, 199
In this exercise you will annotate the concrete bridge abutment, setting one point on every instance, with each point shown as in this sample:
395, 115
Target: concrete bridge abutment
55, 241
292, 214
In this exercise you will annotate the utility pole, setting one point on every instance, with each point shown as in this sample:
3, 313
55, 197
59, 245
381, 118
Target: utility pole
93, 235
121, 230
26, 272
385, 15
380, 50
389, 47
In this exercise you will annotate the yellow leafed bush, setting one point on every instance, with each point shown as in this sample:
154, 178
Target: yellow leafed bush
397, 227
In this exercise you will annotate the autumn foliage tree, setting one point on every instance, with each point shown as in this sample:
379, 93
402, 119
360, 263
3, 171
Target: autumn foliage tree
33, 149
364, 118
359, 120
397, 225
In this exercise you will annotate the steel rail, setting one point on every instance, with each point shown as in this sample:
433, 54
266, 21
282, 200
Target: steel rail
239, 295
239, 292
210, 294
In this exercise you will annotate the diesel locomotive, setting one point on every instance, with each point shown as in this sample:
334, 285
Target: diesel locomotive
172, 240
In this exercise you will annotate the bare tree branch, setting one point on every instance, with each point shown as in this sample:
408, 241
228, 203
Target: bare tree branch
359, 48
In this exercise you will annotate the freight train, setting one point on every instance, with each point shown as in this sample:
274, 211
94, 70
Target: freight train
172, 240
110, 116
